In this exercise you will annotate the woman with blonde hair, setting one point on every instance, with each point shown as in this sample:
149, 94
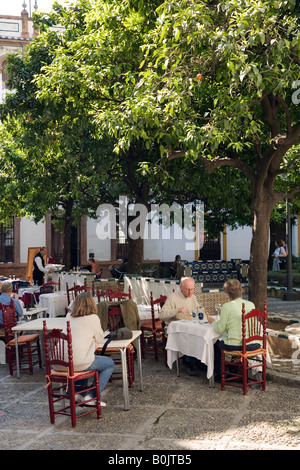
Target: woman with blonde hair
86, 333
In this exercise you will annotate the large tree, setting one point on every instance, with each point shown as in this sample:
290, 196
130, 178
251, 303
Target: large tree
217, 80
51, 152
103, 66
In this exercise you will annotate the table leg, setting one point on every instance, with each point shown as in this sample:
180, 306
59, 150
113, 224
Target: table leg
211, 382
177, 364
139, 361
124, 377
17, 354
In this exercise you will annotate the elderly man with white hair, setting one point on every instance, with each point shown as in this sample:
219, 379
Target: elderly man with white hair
177, 306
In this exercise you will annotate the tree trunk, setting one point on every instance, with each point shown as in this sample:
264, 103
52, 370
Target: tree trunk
259, 251
67, 235
135, 255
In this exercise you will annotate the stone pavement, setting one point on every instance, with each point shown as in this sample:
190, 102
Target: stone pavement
173, 415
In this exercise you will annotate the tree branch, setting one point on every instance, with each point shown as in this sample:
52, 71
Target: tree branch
217, 162
287, 113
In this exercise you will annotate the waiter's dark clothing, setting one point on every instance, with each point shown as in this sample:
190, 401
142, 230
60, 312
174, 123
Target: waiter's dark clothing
37, 274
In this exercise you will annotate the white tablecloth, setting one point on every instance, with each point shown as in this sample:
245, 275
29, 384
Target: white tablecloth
74, 277
28, 290
192, 339
55, 303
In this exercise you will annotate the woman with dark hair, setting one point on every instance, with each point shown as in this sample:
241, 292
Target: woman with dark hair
278, 255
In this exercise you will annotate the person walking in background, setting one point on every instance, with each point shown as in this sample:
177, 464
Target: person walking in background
278, 254
283, 260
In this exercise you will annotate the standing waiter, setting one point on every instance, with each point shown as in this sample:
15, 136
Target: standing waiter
39, 267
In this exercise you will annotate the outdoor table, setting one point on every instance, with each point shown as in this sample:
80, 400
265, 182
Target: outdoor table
36, 325
71, 278
192, 338
25, 294
55, 302
33, 311
28, 290
121, 345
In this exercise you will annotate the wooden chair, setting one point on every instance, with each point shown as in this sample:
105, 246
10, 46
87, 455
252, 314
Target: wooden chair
84, 288
49, 287
103, 295
154, 328
119, 295
115, 321
71, 294
254, 325
61, 385
28, 345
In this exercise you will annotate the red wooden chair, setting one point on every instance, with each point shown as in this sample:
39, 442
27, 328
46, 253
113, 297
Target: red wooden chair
84, 288
50, 286
28, 345
71, 294
61, 385
103, 295
115, 321
254, 325
119, 295
154, 328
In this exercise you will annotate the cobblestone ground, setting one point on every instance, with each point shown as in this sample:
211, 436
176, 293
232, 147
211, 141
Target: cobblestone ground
171, 414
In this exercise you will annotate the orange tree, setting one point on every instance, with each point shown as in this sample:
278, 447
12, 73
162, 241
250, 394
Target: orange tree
218, 85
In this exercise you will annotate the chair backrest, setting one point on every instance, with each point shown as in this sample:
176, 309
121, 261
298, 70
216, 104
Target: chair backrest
156, 306
58, 349
79, 289
71, 294
93, 288
50, 286
104, 295
9, 319
119, 295
254, 326
115, 318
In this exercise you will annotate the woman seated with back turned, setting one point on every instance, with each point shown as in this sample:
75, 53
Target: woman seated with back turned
230, 322
86, 333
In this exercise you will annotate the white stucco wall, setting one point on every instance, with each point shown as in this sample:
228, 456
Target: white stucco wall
238, 243
165, 242
31, 235
100, 248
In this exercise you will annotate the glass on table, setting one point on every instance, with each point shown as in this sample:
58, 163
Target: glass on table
218, 310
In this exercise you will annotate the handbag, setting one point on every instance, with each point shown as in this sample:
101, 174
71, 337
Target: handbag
121, 333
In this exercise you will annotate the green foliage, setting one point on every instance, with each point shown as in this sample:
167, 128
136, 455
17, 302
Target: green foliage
106, 105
